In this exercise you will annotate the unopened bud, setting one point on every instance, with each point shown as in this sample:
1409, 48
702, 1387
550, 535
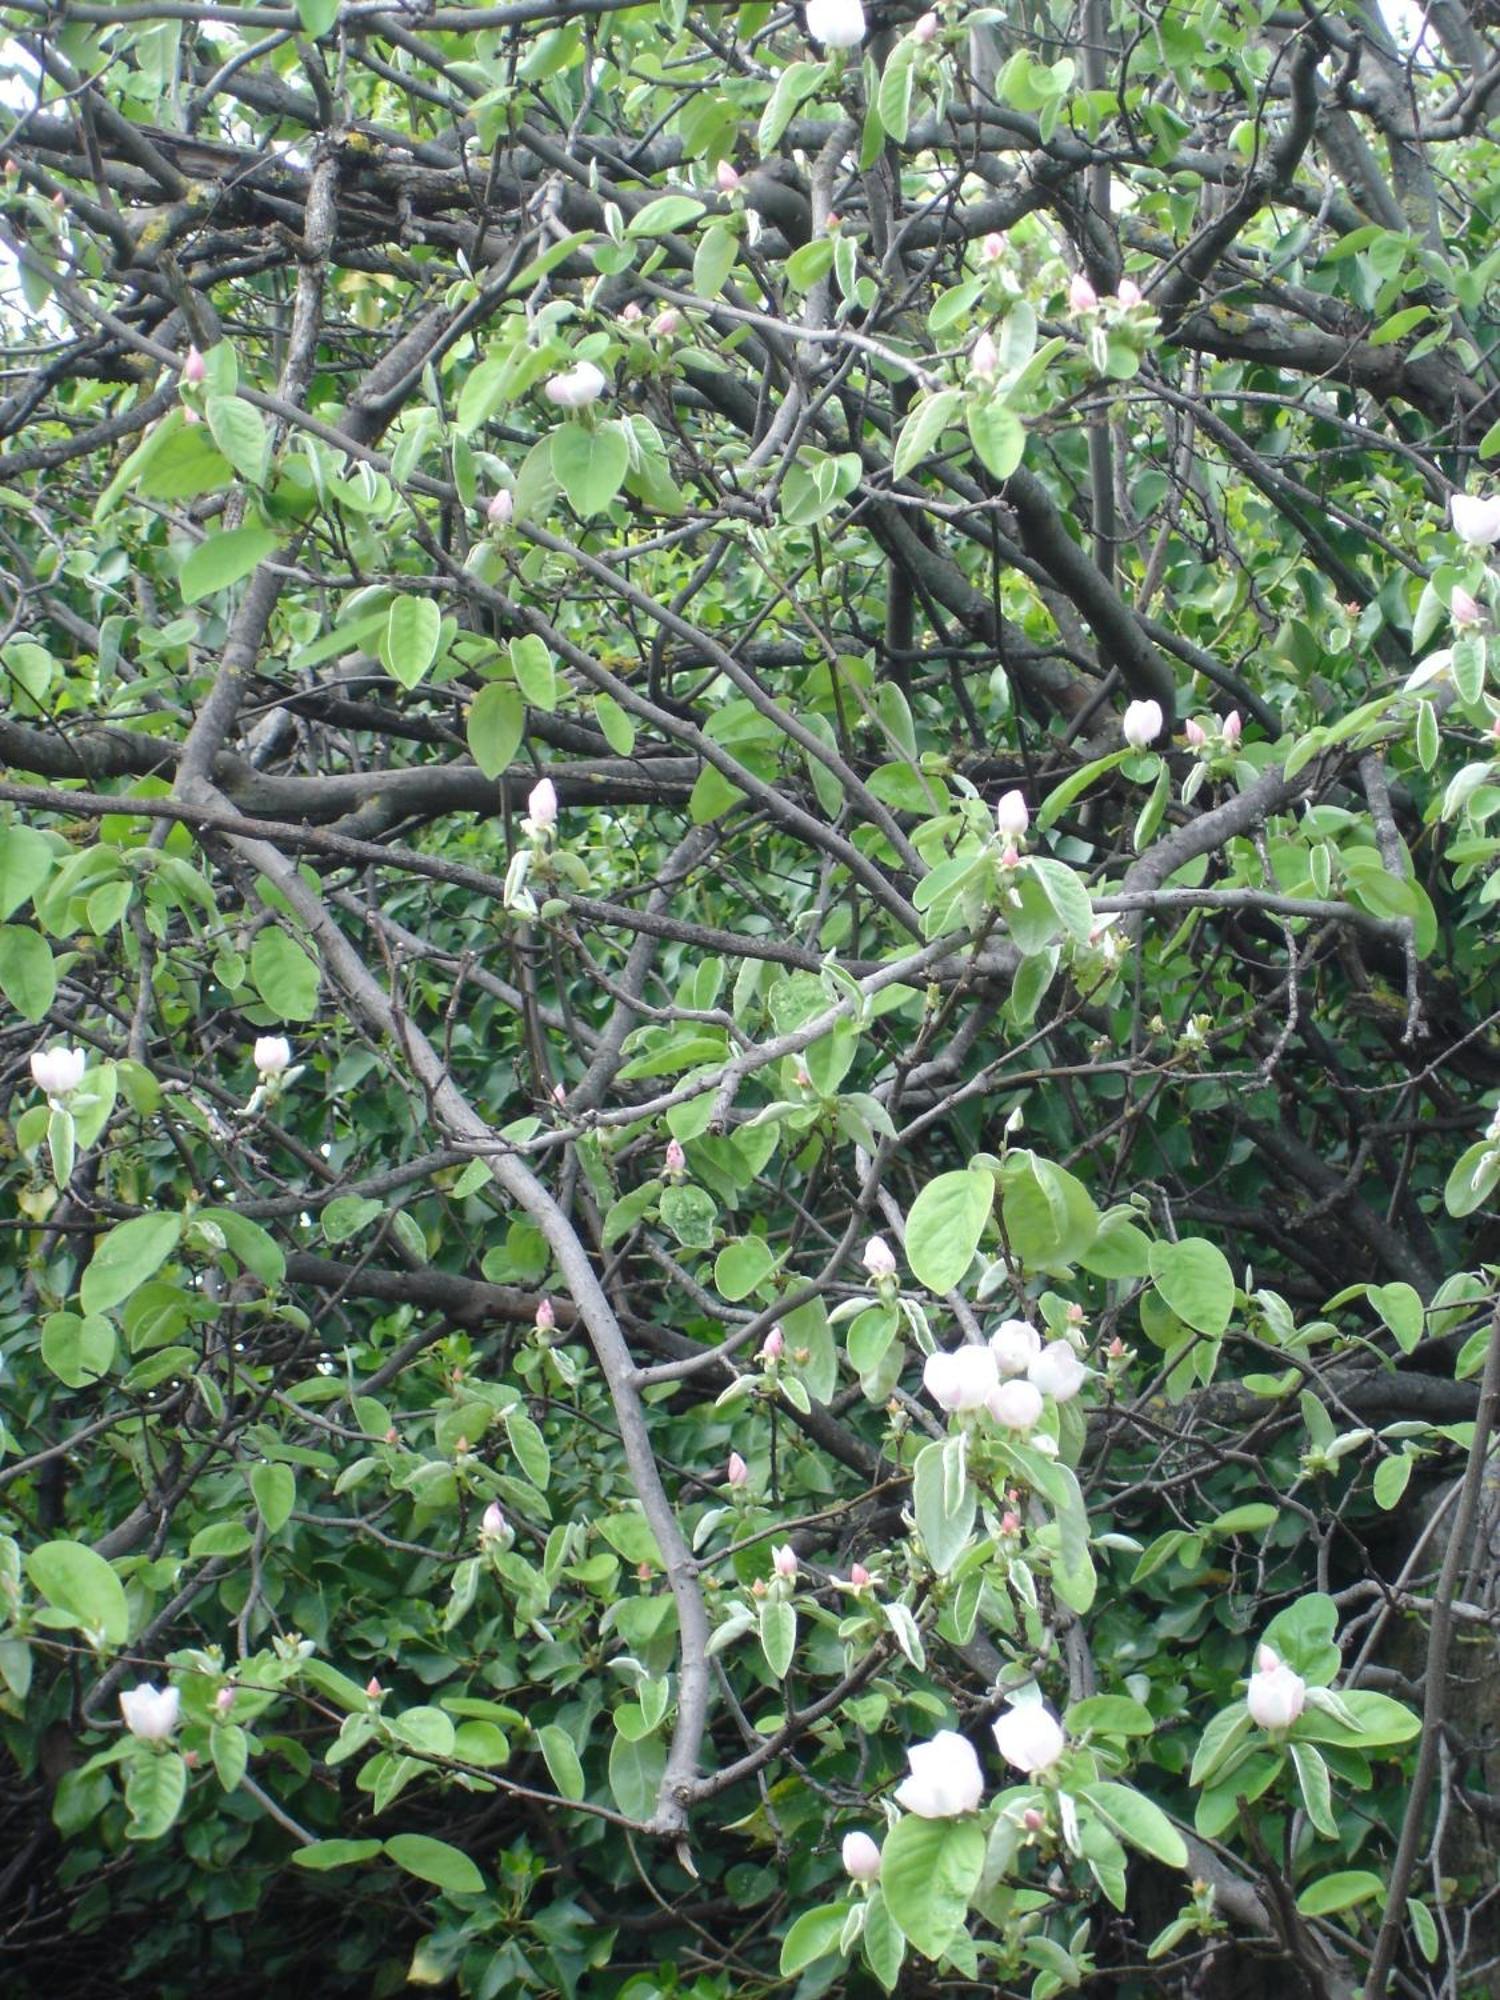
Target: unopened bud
667, 322
1032, 1820
630, 312
738, 1471
774, 1345
374, 1690
194, 367
859, 1576
726, 180
984, 357
993, 247
925, 29
501, 509
675, 1159
1129, 293
1081, 295
546, 1316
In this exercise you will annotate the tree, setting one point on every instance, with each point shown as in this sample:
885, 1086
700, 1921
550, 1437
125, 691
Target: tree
746, 885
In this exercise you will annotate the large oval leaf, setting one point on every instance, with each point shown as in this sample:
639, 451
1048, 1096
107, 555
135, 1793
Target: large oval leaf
929, 1868
945, 1224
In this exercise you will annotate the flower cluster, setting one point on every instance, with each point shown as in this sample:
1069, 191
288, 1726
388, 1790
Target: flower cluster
946, 1779
1008, 1378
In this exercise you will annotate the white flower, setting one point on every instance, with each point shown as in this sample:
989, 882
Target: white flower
1141, 723
1475, 521
1011, 816
1016, 1404
1015, 1345
1057, 1372
581, 385
861, 1857
150, 1712
945, 1778
880, 1260
272, 1055
1276, 1696
837, 24
1030, 1737
961, 1380
58, 1071
541, 805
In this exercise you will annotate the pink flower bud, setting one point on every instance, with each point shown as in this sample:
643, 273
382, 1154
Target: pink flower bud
1195, 733
861, 1857
834, 223
1010, 1524
784, 1561
190, 416
859, 1576
984, 358
1115, 1348
546, 1316
1075, 1314
1233, 729
541, 805
726, 180
667, 322
374, 1690
739, 1472
1129, 293
501, 509
1082, 297
1011, 816
993, 247
925, 29
393, 1436
1032, 1820
880, 1260
675, 1159
1010, 856
492, 1524
1463, 609
774, 1345
194, 367
224, 1700
189, 1757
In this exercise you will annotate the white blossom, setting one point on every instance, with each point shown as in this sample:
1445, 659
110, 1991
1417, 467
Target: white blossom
837, 24
945, 1778
1030, 1737
150, 1712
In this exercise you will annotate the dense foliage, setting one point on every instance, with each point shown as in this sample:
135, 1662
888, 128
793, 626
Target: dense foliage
746, 878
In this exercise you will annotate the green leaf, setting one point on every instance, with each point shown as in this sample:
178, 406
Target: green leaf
742, 1265
998, 436
347, 1214
284, 976
1195, 1280
409, 644
1392, 1476
326, 1854
230, 1749
929, 1868
1134, 1818
884, 1946
796, 82
82, 1585
814, 1935
1317, 1795
28, 973
126, 1258
924, 427
26, 859
275, 1491
944, 1502
946, 1222
635, 1774
531, 664
154, 1791
690, 1214
317, 17
1340, 1892
589, 465
713, 260
529, 1446
618, 727
1400, 1306
496, 723
894, 98
778, 1635
434, 1861
78, 1351
223, 559
562, 1760
1062, 796
240, 434
1251, 1519
667, 213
